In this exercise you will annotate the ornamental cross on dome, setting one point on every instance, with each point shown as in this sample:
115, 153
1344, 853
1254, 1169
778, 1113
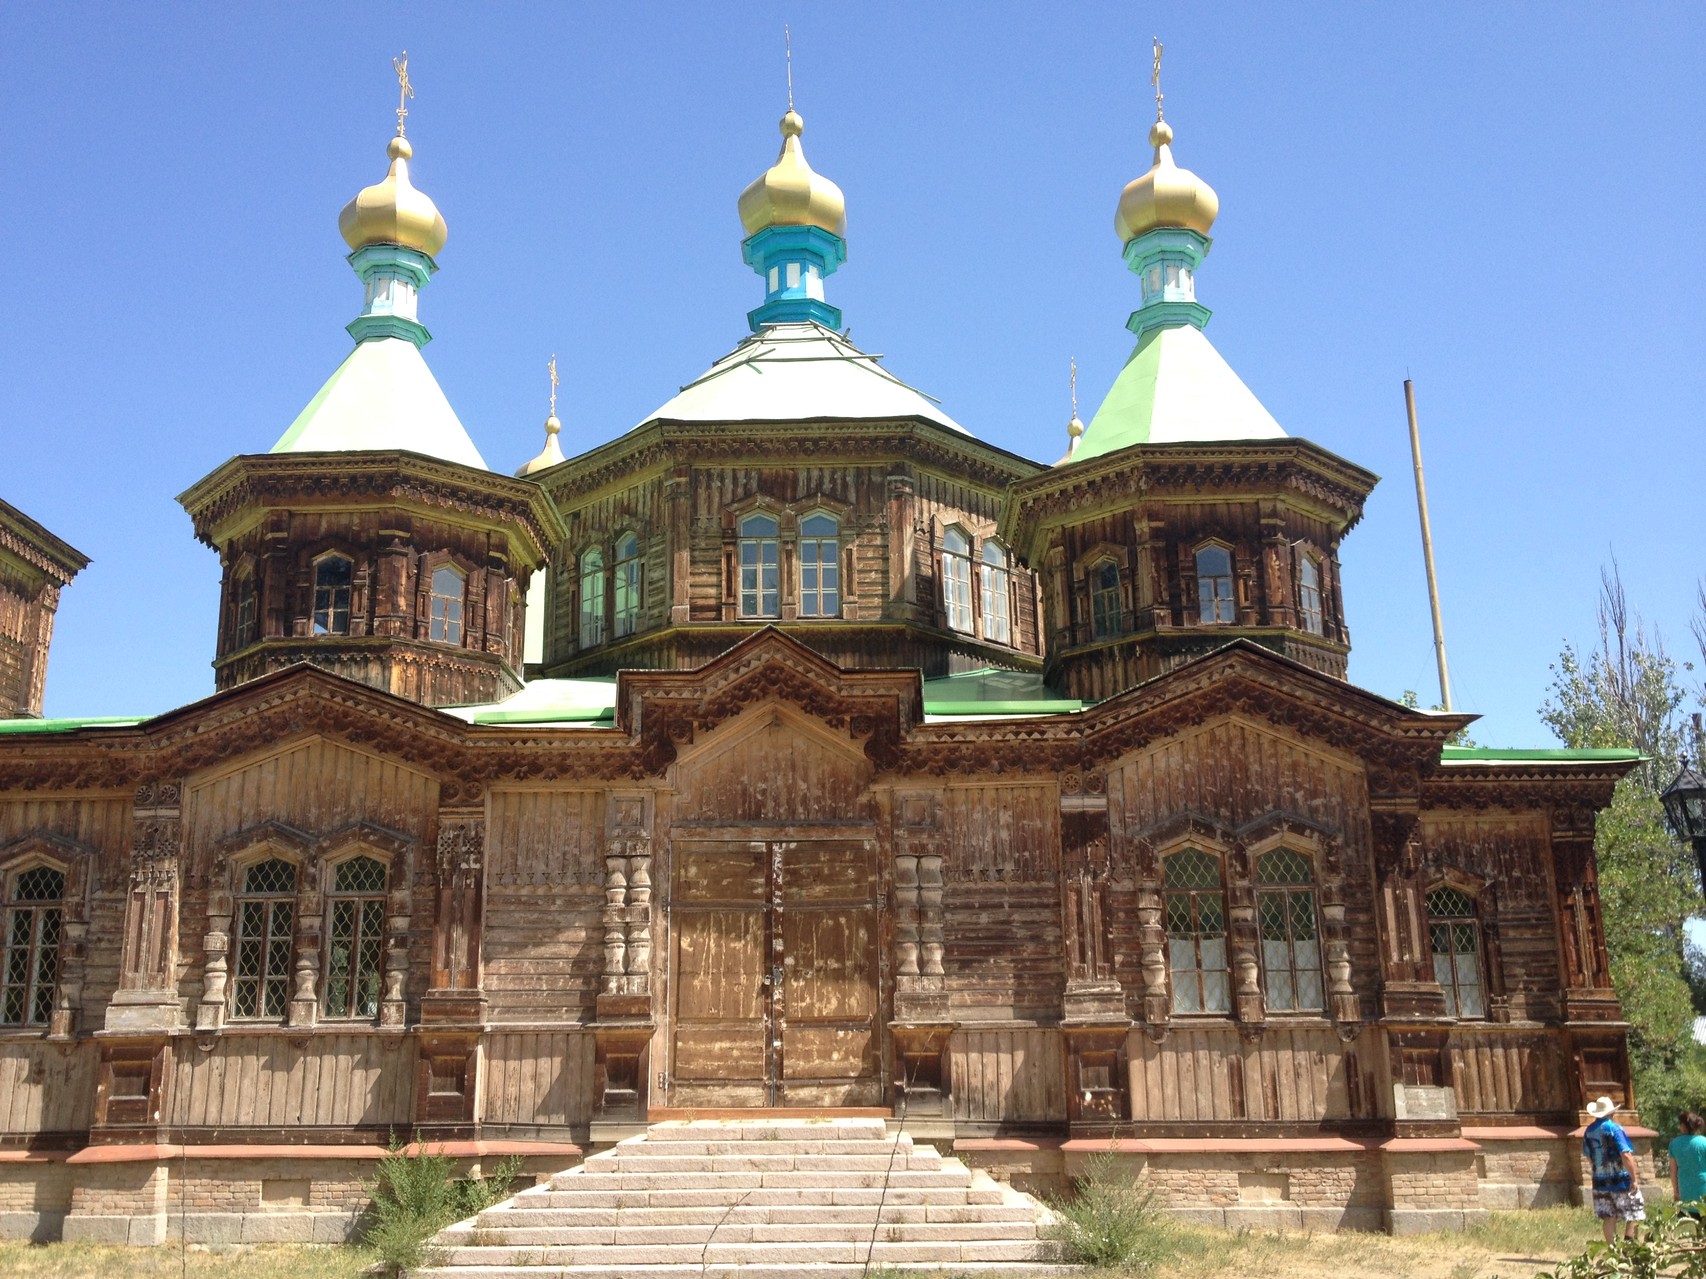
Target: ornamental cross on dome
1155, 76
552, 367
405, 90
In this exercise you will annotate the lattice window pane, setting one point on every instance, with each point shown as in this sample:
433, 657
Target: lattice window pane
39, 884
1283, 866
271, 876
360, 875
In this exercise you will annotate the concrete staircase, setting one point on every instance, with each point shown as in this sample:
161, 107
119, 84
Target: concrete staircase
754, 1197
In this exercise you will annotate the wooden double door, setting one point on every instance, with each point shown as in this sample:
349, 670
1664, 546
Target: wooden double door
775, 990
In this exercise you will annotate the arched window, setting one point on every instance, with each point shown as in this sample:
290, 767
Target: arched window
331, 595
266, 920
592, 597
243, 632
1291, 938
956, 578
997, 609
1309, 594
626, 571
1106, 615
820, 566
758, 571
29, 965
1196, 932
445, 623
1454, 932
1214, 584
355, 910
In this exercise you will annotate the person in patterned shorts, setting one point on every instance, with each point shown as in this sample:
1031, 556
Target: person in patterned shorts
1616, 1176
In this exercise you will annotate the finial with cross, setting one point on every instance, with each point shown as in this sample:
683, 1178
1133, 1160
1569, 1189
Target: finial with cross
1074, 386
1155, 77
405, 90
552, 369
788, 53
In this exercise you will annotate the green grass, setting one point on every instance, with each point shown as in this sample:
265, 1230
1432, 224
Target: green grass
263, 1261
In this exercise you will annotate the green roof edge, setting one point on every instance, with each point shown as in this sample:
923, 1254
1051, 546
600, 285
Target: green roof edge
69, 725
1543, 755
1037, 706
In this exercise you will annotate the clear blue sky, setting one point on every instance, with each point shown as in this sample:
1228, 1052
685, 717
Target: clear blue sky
1504, 201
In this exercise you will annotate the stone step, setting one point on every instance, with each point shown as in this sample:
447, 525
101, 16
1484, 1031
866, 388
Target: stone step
748, 1214
949, 1175
898, 1161
751, 1270
526, 1235
768, 1130
592, 1195
705, 1149
457, 1261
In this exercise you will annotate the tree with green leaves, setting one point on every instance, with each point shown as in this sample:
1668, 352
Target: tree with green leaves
1628, 692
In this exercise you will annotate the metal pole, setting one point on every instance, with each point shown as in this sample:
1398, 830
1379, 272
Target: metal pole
1427, 543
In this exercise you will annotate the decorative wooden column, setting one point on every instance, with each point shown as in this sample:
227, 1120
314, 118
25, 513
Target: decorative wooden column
453, 1009
1407, 988
1095, 1025
902, 603
1598, 1060
921, 1029
678, 500
622, 1033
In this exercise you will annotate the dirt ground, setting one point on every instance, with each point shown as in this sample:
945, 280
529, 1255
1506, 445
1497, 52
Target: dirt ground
1513, 1245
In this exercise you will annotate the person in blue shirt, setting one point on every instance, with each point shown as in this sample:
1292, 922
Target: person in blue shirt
1616, 1175
1688, 1163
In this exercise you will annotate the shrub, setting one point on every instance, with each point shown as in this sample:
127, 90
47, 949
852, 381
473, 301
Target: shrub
1111, 1219
1670, 1244
415, 1195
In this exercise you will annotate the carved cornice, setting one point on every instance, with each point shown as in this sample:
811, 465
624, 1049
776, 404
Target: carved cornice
363, 478
24, 539
1293, 468
1562, 786
663, 443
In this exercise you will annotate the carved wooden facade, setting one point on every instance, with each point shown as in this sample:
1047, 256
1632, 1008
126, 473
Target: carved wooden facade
772, 883
34, 567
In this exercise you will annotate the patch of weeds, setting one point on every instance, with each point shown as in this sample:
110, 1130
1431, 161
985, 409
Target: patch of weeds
1112, 1220
417, 1195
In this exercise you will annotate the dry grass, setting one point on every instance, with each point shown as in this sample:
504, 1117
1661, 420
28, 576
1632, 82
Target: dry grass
1512, 1245
263, 1261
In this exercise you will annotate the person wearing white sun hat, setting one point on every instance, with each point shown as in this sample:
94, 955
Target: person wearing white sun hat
1616, 1176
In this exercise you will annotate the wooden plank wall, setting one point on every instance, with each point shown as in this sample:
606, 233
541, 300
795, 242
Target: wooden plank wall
1209, 1073
319, 787
1007, 1075
1512, 852
543, 941
1235, 772
341, 1081
1001, 914
778, 773
46, 1089
1501, 1072
537, 1078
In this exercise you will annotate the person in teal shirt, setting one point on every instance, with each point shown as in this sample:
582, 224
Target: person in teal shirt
1688, 1162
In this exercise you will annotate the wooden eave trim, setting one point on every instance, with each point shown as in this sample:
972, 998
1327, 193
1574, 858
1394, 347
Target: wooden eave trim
662, 442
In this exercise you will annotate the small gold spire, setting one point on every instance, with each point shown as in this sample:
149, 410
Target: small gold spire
788, 53
405, 90
552, 453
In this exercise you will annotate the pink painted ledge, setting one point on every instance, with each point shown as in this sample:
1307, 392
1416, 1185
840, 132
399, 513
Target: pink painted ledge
1262, 1145
147, 1154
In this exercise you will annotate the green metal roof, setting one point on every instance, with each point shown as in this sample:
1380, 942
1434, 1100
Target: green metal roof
69, 725
1545, 755
547, 701
993, 692
1175, 388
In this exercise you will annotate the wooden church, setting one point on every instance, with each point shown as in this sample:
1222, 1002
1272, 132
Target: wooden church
861, 768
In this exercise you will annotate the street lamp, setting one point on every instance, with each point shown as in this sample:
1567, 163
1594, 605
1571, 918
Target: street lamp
1684, 801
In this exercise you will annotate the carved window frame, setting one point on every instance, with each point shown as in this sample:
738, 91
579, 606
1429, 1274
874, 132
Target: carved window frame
831, 543
331, 610
591, 614
1311, 618
627, 584
1199, 902
245, 602
1289, 894
41, 915
431, 567
956, 578
379, 936
1230, 577
995, 583
1467, 934
241, 897
756, 541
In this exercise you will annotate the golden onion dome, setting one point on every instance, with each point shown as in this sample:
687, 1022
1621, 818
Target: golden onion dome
790, 192
1166, 196
394, 211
